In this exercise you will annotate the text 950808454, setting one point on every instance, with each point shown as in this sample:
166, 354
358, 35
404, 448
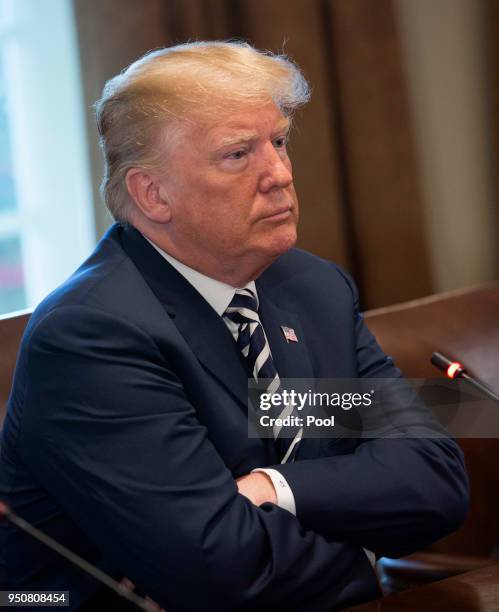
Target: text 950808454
34, 598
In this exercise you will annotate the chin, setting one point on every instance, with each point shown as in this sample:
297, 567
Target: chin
281, 243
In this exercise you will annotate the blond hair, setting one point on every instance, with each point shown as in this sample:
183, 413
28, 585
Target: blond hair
141, 107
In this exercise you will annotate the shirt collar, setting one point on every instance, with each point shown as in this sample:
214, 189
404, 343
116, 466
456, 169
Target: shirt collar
218, 295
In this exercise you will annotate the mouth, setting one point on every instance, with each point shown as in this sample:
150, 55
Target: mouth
280, 215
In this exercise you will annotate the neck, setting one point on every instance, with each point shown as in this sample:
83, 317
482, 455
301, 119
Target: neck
236, 273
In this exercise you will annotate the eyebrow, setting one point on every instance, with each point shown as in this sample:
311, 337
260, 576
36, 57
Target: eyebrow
241, 138
247, 136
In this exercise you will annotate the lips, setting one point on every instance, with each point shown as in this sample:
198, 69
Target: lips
281, 212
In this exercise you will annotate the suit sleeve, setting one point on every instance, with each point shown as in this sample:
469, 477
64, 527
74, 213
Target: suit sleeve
109, 432
391, 496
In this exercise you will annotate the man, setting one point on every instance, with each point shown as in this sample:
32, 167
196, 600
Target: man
126, 437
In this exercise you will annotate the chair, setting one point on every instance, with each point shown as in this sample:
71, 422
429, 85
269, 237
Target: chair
11, 331
464, 325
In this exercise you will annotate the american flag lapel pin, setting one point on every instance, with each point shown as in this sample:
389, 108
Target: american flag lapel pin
289, 334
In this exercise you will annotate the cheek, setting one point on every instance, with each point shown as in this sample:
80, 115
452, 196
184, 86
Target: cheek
232, 207
220, 208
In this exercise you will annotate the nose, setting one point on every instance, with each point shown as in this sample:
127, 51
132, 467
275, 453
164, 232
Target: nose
277, 171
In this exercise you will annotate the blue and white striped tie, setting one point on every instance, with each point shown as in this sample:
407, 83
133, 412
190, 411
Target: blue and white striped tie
253, 344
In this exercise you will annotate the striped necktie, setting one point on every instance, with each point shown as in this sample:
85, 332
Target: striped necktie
253, 344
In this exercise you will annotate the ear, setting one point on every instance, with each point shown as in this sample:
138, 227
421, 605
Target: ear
148, 194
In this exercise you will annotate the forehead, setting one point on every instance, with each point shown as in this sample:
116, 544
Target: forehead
247, 123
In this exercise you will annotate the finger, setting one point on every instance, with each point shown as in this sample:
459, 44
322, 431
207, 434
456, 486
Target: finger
128, 584
153, 604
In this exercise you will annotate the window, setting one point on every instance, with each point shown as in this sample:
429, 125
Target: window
46, 215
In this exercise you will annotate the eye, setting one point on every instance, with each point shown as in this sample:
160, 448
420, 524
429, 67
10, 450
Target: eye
237, 154
281, 142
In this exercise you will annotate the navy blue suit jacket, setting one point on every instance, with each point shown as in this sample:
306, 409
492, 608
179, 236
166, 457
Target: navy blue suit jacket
127, 425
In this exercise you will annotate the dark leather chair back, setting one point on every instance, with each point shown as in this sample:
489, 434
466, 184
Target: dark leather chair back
11, 331
464, 325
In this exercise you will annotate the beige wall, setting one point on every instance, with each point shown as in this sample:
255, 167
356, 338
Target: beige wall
444, 53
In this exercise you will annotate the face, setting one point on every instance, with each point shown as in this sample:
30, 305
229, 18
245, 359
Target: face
230, 189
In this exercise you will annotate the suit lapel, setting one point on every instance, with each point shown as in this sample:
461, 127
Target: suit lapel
201, 327
210, 340
291, 359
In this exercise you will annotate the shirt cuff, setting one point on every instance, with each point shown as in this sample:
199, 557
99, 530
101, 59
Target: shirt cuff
284, 494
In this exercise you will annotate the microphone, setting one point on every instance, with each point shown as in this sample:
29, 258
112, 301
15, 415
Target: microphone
85, 566
453, 369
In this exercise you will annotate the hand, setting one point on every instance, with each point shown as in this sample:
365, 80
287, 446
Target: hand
257, 487
130, 586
